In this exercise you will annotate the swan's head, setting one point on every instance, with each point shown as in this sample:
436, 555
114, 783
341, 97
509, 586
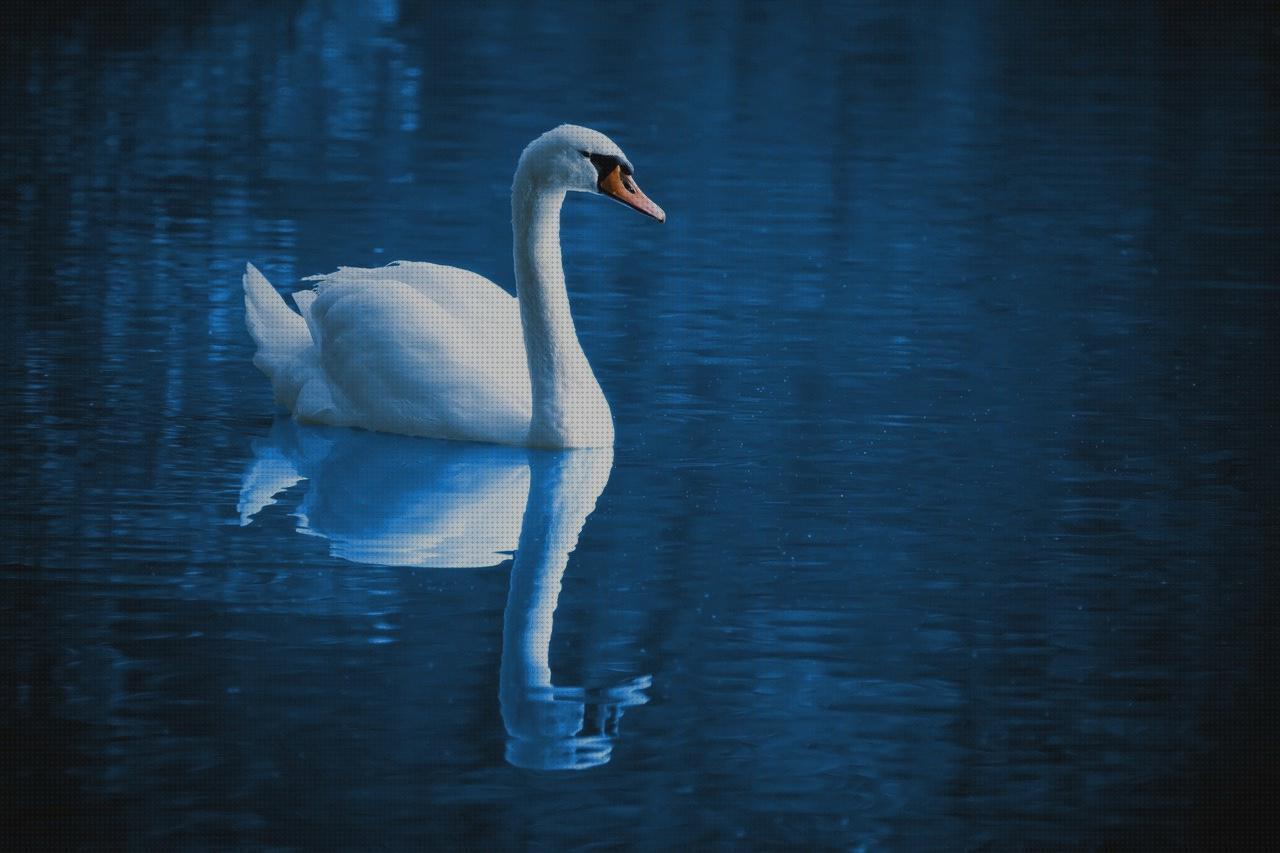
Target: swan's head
584, 160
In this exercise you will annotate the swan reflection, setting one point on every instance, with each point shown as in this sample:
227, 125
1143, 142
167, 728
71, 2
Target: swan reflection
392, 500
548, 725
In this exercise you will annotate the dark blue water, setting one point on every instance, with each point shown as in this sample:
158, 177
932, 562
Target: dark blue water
945, 467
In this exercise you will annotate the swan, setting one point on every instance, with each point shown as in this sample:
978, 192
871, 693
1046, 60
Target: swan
428, 350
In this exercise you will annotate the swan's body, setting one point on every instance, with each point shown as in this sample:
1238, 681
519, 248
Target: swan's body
411, 348
428, 350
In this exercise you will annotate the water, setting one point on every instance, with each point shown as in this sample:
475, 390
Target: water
944, 470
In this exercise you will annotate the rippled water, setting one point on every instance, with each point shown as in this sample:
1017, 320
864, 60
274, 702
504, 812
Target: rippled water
944, 471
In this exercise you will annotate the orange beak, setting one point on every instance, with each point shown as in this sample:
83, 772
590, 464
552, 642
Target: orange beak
618, 185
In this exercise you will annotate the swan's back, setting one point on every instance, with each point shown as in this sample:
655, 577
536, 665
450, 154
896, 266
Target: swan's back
465, 296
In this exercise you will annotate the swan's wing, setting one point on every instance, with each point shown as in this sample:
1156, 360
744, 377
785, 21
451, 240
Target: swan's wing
422, 349
462, 294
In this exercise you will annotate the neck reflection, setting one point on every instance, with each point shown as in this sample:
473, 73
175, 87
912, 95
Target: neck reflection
554, 727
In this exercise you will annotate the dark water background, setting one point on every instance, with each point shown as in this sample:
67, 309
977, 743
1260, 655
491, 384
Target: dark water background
945, 470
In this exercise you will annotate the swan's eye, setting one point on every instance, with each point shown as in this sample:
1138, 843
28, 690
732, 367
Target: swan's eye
586, 154
606, 163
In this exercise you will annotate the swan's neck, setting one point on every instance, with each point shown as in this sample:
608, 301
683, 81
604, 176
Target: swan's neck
569, 410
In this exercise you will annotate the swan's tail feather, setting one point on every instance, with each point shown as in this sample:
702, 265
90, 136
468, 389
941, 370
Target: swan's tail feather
280, 333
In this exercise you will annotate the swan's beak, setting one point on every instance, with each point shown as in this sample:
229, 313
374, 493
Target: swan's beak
618, 185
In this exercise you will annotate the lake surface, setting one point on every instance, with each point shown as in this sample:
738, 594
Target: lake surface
945, 467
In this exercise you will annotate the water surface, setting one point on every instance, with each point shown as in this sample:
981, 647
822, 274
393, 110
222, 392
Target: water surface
943, 476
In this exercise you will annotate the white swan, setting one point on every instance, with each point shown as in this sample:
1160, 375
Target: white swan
428, 350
